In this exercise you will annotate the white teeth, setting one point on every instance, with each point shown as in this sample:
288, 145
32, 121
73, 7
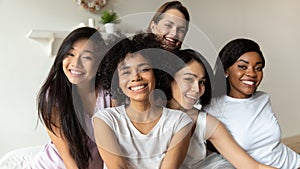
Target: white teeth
137, 88
191, 97
169, 39
76, 72
248, 82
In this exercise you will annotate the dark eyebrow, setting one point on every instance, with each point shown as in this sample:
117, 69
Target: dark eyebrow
89, 51
241, 60
167, 20
144, 64
184, 26
124, 67
192, 74
85, 51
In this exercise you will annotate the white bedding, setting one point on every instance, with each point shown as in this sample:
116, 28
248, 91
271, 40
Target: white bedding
18, 159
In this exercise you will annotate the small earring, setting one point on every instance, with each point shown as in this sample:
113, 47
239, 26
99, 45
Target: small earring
98, 74
226, 76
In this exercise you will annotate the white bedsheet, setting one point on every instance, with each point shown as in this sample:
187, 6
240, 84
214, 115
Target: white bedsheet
19, 158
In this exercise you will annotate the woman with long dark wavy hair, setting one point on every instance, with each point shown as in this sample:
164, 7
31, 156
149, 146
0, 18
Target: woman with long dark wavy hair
68, 99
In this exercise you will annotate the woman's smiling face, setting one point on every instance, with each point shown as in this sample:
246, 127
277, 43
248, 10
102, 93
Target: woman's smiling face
171, 28
189, 84
245, 75
136, 77
80, 62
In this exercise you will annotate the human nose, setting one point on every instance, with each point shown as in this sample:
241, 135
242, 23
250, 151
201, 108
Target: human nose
195, 87
76, 61
251, 72
173, 31
136, 76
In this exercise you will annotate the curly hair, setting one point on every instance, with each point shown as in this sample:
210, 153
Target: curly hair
148, 45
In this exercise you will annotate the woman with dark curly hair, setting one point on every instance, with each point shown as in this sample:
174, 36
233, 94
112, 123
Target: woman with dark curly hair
139, 134
68, 99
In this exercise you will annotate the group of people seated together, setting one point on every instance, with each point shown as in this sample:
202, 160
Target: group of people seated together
143, 102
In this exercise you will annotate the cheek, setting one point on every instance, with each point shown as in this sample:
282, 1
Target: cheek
176, 91
121, 81
64, 65
260, 77
201, 90
181, 36
160, 29
152, 79
64, 62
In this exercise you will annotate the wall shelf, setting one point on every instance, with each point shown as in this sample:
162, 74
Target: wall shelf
50, 36
53, 38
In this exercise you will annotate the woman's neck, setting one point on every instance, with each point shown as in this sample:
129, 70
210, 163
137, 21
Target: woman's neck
88, 97
173, 104
142, 112
193, 112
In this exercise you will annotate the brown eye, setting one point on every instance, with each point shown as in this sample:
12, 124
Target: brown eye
189, 79
259, 69
242, 67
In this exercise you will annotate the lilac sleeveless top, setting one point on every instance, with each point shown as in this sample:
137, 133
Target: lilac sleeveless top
49, 157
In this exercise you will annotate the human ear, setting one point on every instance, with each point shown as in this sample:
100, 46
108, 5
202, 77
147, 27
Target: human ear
226, 74
153, 27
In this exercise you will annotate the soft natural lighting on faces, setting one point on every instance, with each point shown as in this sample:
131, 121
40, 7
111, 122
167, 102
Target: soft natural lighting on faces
136, 77
189, 84
80, 64
172, 28
245, 75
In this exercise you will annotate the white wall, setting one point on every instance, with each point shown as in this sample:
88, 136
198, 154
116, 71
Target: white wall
24, 64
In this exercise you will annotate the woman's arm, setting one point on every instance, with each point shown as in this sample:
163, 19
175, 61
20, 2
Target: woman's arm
108, 145
228, 147
62, 147
177, 149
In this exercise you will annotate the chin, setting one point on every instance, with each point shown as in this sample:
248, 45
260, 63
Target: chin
187, 107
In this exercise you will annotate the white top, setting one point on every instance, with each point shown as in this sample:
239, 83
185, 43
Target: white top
197, 148
144, 150
253, 125
197, 155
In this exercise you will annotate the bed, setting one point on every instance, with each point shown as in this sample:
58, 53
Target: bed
19, 158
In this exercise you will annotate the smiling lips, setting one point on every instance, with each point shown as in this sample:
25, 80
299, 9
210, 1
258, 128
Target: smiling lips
75, 72
248, 82
171, 41
138, 87
191, 98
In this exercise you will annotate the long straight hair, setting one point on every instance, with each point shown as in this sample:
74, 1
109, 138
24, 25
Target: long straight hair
59, 105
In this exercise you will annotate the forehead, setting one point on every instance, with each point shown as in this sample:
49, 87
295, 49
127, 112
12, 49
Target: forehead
83, 44
134, 59
174, 15
250, 57
193, 67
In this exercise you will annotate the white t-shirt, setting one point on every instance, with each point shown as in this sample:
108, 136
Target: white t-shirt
145, 151
197, 155
254, 126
